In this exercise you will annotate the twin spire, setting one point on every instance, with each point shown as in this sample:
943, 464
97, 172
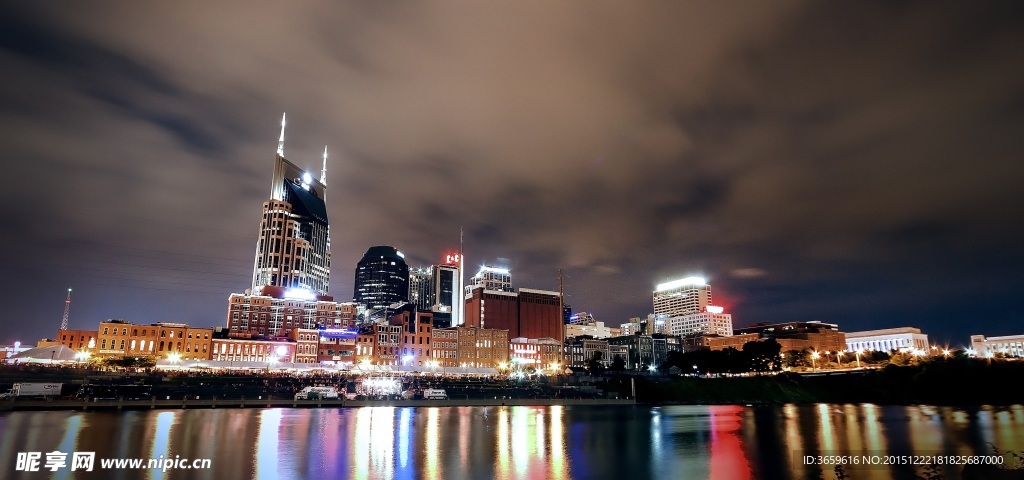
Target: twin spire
280, 151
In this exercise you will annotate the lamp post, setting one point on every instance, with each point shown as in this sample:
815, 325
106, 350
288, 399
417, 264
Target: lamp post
839, 357
814, 358
858, 352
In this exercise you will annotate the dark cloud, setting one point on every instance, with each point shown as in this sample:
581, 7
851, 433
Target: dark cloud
855, 163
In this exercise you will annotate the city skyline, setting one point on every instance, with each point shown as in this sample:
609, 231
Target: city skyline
852, 164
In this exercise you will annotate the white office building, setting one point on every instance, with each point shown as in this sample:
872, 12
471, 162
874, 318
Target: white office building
685, 296
905, 339
594, 329
491, 278
1011, 346
712, 321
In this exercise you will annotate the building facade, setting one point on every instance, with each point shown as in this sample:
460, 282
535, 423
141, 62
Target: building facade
77, 340
160, 340
717, 342
421, 287
907, 339
379, 344
307, 343
640, 349
580, 350
539, 353
382, 278
593, 329
711, 321
447, 292
492, 278
529, 313
813, 335
294, 246
254, 351
446, 346
337, 346
275, 312
682, 297
1010, 345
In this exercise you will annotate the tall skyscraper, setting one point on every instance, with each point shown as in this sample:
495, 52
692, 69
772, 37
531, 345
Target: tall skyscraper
682, 297
421, 287
382, 278
294, 247
293, 261
446, 280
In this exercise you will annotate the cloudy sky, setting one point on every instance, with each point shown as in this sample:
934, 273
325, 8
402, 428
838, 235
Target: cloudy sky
857, 163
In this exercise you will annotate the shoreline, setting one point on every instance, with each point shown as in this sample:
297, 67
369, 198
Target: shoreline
153, 404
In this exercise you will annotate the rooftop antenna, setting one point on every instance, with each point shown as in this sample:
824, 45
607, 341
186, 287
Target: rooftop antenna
280, 142
67, 310
323, 171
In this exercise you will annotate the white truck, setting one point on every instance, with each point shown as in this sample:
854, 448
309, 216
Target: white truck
33, 390
435, 394
313, 393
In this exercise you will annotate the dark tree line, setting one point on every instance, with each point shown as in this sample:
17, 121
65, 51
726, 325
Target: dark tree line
759, 357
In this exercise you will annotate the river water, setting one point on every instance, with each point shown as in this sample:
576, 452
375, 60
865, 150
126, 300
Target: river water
677, 442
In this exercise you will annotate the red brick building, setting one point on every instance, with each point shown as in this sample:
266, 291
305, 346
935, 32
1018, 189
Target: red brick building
306, 345
528, 313
78, 340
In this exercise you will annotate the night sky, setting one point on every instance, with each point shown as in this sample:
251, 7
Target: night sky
850, 162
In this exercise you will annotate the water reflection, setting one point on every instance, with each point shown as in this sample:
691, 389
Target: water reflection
267, 440
515, 442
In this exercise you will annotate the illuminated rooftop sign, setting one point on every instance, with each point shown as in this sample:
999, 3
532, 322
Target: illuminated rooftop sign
682, 282
714, 309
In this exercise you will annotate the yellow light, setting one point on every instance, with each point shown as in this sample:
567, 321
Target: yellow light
174, 357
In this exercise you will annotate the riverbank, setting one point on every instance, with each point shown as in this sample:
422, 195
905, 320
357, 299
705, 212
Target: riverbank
934, 383
153, 404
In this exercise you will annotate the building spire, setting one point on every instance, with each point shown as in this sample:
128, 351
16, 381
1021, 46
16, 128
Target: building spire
280, 142
323, 171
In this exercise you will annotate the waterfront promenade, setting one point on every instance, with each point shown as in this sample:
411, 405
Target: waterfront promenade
77, 404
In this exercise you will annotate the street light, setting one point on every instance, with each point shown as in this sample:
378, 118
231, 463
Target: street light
859, 351
839, 357
814, 357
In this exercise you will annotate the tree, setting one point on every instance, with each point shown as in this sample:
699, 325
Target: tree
797, 359
618, 363
594, 365
763, 356
128, 361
